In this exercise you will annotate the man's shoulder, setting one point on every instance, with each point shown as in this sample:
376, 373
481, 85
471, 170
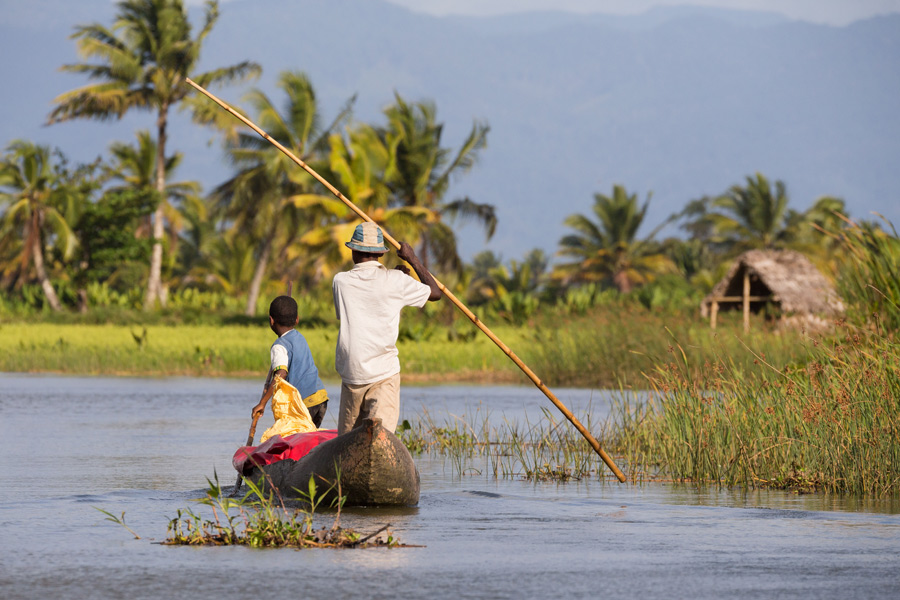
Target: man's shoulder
340, 277
369, 271
395, 279
400, 278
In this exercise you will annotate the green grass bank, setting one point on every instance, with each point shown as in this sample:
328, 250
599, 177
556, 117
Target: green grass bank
227, 350
605, 348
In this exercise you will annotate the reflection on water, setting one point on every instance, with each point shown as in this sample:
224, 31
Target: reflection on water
146, 446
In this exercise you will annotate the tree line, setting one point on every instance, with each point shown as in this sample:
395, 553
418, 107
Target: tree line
126, 225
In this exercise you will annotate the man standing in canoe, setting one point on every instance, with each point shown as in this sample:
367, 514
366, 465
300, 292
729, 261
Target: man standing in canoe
368, 300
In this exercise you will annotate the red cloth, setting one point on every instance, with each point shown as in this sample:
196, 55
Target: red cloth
277, 448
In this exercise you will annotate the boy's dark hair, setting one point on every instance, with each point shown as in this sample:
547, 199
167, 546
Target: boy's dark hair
283, 311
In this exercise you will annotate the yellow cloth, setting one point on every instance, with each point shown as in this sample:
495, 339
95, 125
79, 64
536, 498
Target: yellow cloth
290, 413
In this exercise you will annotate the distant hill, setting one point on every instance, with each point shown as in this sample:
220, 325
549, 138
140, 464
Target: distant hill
680, 102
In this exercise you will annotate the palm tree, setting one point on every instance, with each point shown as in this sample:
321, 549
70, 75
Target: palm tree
757, 216
357, 164
481, 276
818, 228
753, 216
608, 249
489, 274
223, 261
38, 199
135, 167
199, 238
142, 64
269, 198
514, 290
420, 173
820, 232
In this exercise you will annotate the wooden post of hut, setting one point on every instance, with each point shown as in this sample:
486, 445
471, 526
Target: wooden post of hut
746, 298
713, 313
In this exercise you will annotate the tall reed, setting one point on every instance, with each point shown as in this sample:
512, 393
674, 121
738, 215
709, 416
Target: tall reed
870, 273
830, 421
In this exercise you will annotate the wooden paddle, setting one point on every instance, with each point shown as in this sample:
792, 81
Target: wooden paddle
506, 350
240, 477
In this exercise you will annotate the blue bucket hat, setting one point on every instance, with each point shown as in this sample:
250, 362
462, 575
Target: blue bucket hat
367, 237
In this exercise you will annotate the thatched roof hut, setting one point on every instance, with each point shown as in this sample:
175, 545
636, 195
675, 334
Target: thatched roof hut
783, 277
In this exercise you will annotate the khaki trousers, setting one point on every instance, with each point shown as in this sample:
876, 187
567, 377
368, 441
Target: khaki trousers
379, 400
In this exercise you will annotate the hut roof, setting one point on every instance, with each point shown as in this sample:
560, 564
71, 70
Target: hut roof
795, 284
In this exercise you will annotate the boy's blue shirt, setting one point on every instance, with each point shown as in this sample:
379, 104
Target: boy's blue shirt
302, 371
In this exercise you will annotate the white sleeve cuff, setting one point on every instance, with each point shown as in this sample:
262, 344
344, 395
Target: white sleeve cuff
279, 356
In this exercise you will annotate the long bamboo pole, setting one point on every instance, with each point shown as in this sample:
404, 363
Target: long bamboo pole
472, 317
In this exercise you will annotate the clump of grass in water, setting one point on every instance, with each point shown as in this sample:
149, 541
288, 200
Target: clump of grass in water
549, 450
261, 521
455, 438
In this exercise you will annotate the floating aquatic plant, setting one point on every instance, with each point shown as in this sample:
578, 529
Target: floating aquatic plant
262, 520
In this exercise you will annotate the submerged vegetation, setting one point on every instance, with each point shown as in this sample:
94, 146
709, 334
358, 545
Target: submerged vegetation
548, 450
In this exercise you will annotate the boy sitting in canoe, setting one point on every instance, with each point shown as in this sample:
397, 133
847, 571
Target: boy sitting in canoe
299, 399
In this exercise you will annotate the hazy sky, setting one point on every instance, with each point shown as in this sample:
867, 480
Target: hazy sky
833, 12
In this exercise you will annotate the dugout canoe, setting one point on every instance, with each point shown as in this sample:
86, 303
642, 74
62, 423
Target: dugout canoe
375, 469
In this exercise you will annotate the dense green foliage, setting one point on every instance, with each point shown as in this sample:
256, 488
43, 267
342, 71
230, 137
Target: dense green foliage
106, 234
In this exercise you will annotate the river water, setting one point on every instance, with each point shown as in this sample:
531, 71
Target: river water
145, 447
